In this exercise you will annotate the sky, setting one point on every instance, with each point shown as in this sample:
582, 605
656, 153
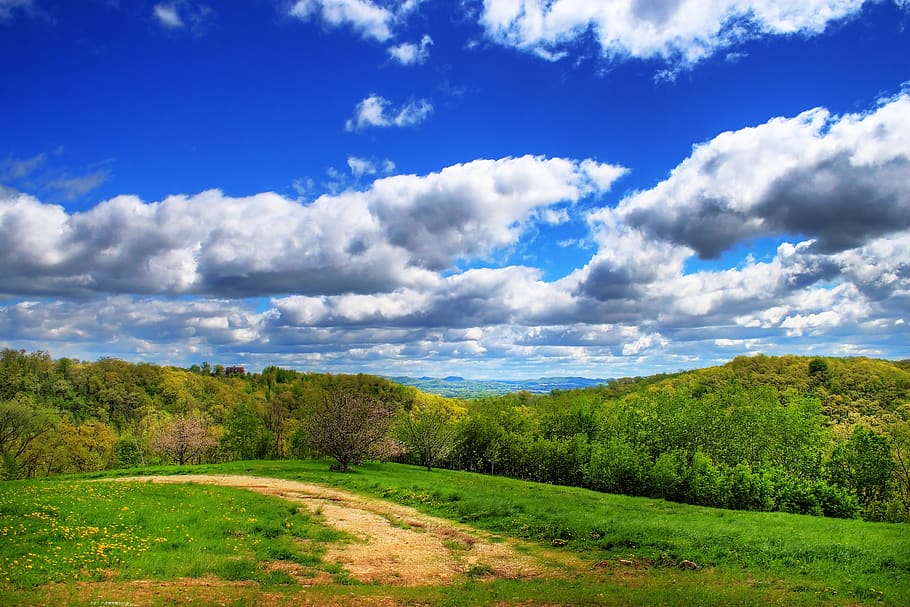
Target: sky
485, 188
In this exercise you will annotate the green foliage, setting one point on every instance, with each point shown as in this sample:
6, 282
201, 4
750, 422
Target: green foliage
428, 432
864, 466
245, 435
22, 425
69, 531
817, 435
617, 467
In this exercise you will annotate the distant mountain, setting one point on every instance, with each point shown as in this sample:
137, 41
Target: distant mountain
459, 387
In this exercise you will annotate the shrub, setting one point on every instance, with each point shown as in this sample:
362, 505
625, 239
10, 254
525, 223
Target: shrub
617, 467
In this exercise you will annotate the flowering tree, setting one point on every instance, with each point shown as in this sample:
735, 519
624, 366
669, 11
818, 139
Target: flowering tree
350, 428
186, 439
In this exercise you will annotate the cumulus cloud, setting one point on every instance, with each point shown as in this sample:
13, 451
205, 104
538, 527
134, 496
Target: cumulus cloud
832, 190
377, 111
841, 180
163, 330
398, 233
370, 20
482, 318
685, 31
473, 209
371, 279
410, 53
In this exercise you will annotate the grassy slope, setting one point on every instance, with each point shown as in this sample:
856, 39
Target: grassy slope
744, 557
60, 531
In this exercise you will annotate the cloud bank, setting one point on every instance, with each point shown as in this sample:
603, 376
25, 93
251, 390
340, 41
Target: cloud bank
681, 31
396, 233
405, 274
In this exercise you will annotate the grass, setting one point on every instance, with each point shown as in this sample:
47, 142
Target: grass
57, 531
632, 548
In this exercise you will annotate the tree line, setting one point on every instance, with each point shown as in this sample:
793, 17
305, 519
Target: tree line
819, 436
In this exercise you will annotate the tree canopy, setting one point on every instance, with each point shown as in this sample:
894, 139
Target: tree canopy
816, 435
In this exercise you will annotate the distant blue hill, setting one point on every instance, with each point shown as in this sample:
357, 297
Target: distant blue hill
459, 387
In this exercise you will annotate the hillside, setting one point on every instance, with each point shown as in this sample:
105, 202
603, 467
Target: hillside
459, 387
283, 529
825, 436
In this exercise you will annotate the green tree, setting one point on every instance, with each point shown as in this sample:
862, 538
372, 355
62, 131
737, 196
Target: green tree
818, 371
245, 435
21, 423
429, 433
89, 445
278, 410
864, 465
617, 467
900, 447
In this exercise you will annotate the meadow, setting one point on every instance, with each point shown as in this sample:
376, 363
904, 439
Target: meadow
79, 540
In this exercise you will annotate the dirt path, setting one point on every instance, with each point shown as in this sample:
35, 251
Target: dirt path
398, 545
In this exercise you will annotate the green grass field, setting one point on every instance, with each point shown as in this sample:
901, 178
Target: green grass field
57, 531
58, 534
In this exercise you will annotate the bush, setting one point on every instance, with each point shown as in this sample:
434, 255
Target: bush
747, 490
703, 484
617, 467
665, 479
835, 501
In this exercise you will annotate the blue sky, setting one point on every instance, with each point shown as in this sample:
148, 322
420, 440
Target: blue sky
497, 188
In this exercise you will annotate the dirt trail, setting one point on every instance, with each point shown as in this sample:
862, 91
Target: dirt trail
398, 545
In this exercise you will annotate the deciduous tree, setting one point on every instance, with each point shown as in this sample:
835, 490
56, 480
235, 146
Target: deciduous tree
349, 427
429, 433
21, 423
185, 440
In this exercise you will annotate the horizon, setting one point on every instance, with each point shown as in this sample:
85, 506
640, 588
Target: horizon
457, 378
484, 189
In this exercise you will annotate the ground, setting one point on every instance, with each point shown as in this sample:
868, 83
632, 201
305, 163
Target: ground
395, 545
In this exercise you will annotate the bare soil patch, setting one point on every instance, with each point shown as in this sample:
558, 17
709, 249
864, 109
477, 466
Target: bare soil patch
394, 544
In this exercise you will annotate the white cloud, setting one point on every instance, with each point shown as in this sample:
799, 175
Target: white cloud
134, 327
362, 167
395, 234
368, 280
410, 53
376, 111
642, 344
168, 16
183, 15
369, 19
684, 31
841, 180
473, 209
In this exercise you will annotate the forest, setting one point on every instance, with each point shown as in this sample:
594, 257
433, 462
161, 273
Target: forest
822, 436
